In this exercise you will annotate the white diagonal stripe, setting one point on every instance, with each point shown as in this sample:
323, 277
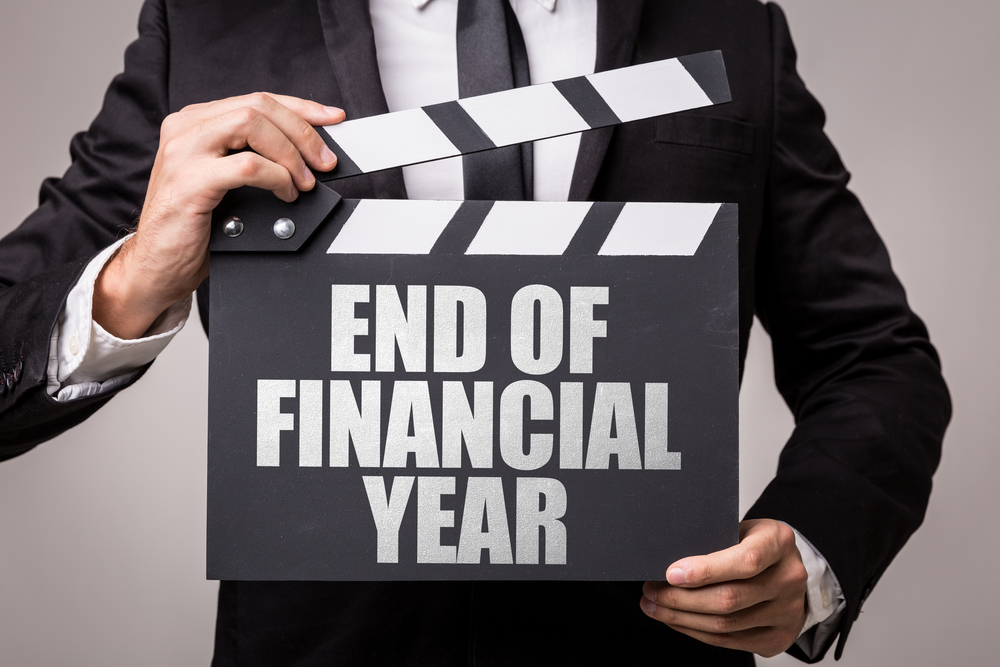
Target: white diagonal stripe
393, 227
391, 140
515, 116
651, 89
659, 229
524, 114
528, 228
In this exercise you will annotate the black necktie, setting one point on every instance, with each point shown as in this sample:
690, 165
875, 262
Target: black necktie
492, 57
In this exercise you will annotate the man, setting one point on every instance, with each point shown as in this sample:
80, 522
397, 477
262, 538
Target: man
851, 359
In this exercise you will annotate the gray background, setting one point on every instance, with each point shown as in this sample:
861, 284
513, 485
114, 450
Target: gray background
102, 531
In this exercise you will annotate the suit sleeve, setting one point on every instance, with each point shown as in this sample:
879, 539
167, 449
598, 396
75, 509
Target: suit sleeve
96, 200
853, 362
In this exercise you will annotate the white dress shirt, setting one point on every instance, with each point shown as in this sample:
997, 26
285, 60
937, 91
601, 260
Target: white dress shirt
84, 359
417, 59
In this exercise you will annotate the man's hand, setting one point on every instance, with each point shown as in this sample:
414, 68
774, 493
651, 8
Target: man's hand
749, 597
168, 257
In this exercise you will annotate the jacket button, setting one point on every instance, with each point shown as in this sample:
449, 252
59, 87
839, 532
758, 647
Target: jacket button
18, 371
10, 382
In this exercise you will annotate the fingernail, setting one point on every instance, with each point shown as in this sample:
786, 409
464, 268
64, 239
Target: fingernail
648, 590
294, 194
647, 605
676, 576
334, 111
327, 156
307, 175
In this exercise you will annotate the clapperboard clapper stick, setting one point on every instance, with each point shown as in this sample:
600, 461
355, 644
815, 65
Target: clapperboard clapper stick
526, 114
490, 121
413, 390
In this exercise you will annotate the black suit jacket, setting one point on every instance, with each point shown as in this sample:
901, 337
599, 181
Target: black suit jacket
852, 361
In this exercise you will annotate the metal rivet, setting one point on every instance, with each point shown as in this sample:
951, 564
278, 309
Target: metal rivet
233, 227
284, 228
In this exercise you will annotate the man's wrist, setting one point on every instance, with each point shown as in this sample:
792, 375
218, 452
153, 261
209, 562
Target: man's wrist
84, 359
121, 307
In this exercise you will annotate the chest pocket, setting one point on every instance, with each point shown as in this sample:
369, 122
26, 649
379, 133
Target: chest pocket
722, 134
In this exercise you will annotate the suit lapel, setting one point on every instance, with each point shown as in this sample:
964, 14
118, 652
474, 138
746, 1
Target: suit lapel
350, 43
617, 26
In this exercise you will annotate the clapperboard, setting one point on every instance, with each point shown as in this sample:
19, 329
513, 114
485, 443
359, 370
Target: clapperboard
469, 389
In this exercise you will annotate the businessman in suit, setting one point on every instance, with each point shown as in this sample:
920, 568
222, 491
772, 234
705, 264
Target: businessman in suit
852, 360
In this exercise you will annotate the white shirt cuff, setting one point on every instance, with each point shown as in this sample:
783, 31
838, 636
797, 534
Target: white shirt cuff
84, 359
824, 597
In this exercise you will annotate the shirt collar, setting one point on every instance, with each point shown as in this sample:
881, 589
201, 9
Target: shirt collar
548, 4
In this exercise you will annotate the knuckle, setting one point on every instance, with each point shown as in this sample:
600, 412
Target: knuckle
248, 165
798, 577
752, 559
172, 150
304, 132
168, 124
167, 145
785, 537
290, 156
728, 599
723, 624
259, 100
667, 615
246, 117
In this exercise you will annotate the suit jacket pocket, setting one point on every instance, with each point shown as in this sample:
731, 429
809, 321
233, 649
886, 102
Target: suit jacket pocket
722, 134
